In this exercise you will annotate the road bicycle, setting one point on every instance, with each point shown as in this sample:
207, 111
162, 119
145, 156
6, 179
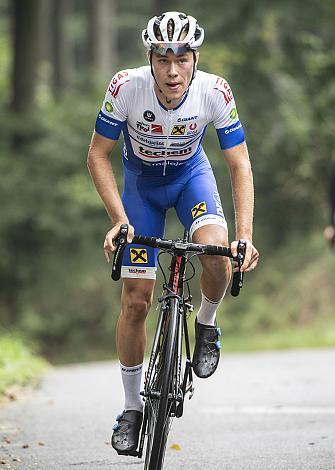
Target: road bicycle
169, 379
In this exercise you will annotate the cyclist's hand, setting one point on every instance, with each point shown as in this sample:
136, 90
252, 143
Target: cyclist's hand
250, 259
110, 239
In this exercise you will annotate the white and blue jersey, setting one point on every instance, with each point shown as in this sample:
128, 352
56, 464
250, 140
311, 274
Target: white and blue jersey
164, 162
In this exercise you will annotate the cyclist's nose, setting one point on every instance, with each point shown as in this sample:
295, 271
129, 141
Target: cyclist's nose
172, 72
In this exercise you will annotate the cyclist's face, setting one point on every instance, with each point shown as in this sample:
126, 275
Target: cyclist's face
173, 73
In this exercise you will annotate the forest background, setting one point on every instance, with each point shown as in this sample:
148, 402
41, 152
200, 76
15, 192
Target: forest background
56, 60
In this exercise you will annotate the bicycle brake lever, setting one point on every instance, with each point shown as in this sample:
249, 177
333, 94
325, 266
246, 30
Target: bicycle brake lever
121, 241
238, 276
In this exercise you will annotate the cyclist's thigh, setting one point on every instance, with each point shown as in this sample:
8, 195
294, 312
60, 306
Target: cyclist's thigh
137, 290
139, 262
199, 203
211, 235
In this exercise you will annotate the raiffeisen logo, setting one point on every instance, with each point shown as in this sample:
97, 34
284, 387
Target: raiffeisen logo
187, 119
233, 129
164, 153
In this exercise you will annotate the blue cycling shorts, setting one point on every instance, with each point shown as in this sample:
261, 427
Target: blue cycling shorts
192, 192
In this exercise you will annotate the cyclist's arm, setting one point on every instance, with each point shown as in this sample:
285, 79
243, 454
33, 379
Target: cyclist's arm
243, 189
243, 196
102, 175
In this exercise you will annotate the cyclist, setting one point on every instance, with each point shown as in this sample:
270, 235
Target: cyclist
163, 110
329, 231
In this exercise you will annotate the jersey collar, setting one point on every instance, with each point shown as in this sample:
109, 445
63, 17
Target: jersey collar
180, 104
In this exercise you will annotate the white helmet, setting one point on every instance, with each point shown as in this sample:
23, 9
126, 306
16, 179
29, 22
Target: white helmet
166, 32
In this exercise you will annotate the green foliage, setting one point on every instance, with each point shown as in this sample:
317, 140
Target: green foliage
293, 287
18, 365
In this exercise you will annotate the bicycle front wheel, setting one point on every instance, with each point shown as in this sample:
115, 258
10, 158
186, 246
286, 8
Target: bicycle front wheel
162, 401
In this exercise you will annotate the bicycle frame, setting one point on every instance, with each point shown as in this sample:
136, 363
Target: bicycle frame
174, 292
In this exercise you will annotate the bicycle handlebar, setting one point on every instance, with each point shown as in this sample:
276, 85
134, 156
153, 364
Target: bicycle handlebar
180, 247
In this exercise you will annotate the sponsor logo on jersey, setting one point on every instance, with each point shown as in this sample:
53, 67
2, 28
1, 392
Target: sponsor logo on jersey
138, 255
225, 89
114, 86
179, 144
151, 142
233, 129
108, 121
162, 153
149, 116
233, 113
156, 129
137, 270
168, 163
195, 132
108, 107
192, 118
143, 126
178, 130
199, 209
227, 97
216, 197
193, 126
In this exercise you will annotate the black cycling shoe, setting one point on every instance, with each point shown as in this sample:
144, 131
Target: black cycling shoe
207, 350
126, 432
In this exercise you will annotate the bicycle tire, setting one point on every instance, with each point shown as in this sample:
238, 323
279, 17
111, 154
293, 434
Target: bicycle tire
159, 410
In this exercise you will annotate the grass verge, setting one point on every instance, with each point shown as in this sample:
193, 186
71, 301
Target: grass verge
19, 365
314, 335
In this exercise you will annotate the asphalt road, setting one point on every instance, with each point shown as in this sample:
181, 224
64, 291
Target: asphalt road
260, 411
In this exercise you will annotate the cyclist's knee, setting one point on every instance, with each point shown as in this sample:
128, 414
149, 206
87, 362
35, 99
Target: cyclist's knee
136, 299
216, 265
213, 235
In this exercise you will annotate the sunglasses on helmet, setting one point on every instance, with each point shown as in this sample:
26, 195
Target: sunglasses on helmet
177, 48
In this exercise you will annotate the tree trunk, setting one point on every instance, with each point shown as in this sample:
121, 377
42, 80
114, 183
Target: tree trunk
26, 55
61, 50
102, 39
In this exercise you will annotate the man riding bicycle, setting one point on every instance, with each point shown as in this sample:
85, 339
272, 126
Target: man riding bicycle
163, 110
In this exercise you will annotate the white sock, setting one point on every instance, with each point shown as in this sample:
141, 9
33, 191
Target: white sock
131, 378
207, 311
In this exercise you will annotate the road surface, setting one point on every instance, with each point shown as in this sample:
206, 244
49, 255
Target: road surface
260, 411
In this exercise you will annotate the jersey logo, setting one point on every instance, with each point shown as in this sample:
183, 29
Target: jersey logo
199, 209
225, 89
138, 255
233, 114
114, 86
178, 130
142, 126
149, 116
156, 129
227, 97
108, 107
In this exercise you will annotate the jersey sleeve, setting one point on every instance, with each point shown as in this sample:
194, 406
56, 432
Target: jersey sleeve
113, 113
225, 117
